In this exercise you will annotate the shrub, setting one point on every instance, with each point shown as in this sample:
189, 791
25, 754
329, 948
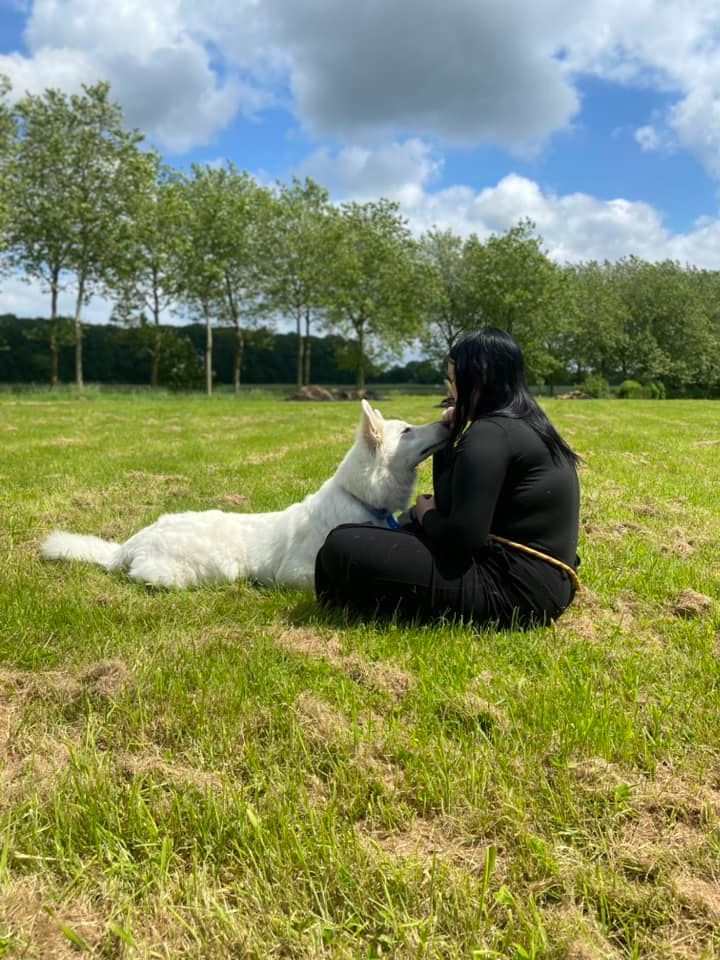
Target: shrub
596, 386
180, 364
657, 390
631, 390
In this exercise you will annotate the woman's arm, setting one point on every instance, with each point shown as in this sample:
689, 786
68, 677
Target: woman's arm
479, 472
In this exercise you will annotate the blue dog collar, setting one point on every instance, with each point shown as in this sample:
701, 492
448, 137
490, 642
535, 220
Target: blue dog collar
392, 522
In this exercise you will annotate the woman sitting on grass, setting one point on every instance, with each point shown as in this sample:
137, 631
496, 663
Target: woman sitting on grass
496, 543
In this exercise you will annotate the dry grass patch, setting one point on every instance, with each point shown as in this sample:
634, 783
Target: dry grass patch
379, 675
65, 442
646, 509
320, 723
689, 604
41, 924
598, 775
578, 935
424, 840
312, 644
702, 896
36, 759
588, 617
327, 728
675, 799
235, 499
156, 478
168, 771
649, 842
103, 679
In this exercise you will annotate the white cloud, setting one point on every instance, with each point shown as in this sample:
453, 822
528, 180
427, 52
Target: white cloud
162, 75
669, 47
574, 226
30, 299
398, 171
502, 71
648, 138
461, 71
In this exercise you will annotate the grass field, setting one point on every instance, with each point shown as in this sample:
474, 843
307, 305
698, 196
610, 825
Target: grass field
230, 772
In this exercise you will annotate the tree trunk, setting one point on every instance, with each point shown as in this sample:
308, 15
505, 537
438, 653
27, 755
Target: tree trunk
239, 349
306, 374
155, 369
53, 328
78, 334
361, 357
300, 348
208, 352
239, 338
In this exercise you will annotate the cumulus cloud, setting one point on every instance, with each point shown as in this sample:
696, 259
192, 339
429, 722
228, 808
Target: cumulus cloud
670, 48
28, 298
462, 72
162, 75
574, 226
398, 171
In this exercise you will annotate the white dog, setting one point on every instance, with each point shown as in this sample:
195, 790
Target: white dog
375, 479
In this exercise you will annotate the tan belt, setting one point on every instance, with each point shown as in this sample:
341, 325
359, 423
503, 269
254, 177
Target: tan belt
543, 556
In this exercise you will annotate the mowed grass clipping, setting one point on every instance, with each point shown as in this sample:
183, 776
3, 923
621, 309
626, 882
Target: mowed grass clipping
230, 772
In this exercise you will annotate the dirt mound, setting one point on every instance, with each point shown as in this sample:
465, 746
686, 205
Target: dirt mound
352, 394
574, 395
690, 604
314, 392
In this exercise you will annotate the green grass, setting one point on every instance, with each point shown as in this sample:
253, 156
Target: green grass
231, 772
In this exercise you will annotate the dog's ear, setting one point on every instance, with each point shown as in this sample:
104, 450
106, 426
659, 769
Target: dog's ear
372, 426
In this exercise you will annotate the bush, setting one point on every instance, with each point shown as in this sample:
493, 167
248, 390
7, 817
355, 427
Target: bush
596, 386
181, 367
631, 390
657, 390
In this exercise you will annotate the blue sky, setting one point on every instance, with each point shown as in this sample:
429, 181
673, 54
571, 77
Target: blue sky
600, 121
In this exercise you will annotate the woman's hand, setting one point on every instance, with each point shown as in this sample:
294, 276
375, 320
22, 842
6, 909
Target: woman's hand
448, 416
425, 502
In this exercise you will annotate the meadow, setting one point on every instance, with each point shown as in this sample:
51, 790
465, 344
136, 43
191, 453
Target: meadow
232, 772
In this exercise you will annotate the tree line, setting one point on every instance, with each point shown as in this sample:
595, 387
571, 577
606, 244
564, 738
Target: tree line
85, 206
115, 354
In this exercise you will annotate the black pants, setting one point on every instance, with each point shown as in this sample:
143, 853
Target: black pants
378, 571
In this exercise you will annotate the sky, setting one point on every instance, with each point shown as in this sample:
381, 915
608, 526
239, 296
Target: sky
599, 121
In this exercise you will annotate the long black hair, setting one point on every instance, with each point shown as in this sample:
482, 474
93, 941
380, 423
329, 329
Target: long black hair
490, 381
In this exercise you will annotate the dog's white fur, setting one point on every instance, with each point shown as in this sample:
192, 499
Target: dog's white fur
375, 479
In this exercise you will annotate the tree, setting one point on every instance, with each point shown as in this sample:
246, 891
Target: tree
241, 224
599, 319
374, 285
71, 179
144, 274
445, 290
668, 334
296, 259
515, 286
706, 287
8, 131
200, 256
38, 188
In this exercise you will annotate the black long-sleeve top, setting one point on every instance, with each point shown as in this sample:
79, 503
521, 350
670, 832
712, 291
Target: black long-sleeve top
500, 478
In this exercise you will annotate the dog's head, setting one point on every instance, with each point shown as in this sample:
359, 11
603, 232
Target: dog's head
381, 467
396, 443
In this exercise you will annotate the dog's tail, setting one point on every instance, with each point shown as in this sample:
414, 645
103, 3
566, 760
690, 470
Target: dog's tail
76, 546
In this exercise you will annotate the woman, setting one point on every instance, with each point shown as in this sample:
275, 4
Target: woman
496, 543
